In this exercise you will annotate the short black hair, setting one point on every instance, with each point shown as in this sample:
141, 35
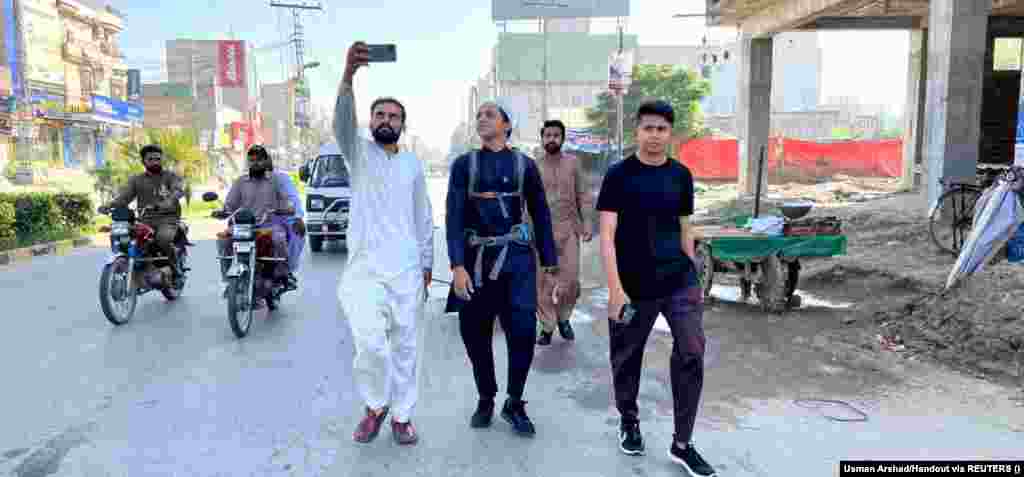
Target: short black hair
148, 149
553, 123
386, 100
656, 107
258, 149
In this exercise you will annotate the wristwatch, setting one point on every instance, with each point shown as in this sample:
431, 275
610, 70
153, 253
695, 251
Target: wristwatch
552, 270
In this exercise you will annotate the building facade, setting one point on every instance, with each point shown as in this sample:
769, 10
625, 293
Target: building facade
204, 65
69, 83
577, 74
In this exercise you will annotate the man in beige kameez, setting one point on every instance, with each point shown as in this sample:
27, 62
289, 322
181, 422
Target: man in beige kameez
570, 202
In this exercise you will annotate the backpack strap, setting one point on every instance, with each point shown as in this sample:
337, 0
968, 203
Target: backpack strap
520, 171
473, 171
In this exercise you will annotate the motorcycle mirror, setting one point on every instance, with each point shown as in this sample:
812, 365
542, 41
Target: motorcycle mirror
209, 196
104, 229
304, 173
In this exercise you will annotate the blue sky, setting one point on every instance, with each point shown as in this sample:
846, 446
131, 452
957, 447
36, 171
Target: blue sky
445, 45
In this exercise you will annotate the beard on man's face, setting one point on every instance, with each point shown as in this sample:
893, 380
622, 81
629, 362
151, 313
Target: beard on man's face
384, 134
553, 147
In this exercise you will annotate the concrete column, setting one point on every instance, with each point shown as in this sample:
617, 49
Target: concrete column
957, 41
913, 135
753, 109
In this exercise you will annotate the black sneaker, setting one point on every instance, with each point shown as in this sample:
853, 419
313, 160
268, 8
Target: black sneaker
514, 412
691, 460
631, 441
545, 338
565, 329
484, 413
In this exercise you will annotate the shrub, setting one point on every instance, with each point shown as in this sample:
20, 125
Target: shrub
42, 216
76, 209
8, 236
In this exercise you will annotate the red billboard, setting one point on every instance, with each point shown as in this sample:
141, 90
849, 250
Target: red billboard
231, 64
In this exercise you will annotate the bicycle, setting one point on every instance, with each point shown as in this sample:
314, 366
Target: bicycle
954, 211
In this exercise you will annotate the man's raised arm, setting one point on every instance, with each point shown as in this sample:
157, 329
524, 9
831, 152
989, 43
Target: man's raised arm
345, 120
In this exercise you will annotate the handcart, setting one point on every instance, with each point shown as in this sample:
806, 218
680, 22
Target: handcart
768, 265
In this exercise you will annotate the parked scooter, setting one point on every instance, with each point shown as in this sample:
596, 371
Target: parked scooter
136, 266
250, 269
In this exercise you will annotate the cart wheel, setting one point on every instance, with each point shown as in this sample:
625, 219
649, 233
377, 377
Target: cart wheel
772, 286
706, 273
792, 279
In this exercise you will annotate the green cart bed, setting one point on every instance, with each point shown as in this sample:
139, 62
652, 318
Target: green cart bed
769, 266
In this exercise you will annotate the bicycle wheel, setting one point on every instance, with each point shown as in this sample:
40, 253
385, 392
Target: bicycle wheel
950, 221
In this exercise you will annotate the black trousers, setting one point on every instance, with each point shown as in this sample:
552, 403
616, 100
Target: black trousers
512, 298
683, 311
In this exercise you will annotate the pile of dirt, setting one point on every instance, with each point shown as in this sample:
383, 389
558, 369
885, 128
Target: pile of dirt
977, 327
866, 287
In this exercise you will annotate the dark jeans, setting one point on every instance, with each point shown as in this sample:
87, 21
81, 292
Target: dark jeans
512, 299
683, 311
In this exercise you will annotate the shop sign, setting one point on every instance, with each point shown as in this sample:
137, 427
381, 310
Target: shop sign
107, 107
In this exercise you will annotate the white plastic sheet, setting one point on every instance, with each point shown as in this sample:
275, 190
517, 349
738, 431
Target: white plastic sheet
997, 215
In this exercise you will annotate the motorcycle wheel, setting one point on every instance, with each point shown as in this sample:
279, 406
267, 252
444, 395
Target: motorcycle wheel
116, 279
240, 309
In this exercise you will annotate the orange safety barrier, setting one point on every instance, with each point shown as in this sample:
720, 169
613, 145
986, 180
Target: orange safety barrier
715, 158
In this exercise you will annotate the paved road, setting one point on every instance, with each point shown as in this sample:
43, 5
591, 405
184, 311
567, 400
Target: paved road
173, 393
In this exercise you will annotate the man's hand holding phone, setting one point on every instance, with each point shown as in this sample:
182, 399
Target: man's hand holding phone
358, 55
617, 307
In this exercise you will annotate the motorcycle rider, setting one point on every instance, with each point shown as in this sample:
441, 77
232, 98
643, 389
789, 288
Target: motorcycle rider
296, 226
159, 191
260, 193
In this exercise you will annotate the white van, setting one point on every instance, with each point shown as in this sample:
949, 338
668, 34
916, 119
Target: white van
328, 195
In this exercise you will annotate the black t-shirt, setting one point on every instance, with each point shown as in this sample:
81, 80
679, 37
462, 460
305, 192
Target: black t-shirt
649, 201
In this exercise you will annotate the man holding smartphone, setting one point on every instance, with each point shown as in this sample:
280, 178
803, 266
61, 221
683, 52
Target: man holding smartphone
390, 258
647, 244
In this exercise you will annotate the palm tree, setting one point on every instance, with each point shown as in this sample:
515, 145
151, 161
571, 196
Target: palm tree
181, 154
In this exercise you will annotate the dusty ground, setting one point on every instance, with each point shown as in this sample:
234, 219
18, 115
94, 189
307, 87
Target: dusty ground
893, 277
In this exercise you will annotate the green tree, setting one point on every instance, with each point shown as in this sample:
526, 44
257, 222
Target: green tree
683, 89
181, 155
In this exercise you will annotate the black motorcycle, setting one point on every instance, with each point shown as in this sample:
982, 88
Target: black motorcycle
136, 266
250, 268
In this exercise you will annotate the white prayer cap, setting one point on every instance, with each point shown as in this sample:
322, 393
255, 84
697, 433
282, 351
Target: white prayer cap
504, 105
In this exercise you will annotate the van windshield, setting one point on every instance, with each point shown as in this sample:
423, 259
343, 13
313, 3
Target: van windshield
329, 171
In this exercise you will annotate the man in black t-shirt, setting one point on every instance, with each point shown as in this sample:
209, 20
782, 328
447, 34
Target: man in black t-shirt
647, 244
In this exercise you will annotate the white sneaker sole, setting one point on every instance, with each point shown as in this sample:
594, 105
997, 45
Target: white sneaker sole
627, 451
687, 468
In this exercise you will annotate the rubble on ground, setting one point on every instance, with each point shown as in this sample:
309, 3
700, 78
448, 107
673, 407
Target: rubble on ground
895, 277
977, 327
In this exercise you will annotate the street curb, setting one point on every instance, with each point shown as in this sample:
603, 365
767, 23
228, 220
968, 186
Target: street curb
61, 247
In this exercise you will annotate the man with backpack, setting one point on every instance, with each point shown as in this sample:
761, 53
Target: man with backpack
495, 274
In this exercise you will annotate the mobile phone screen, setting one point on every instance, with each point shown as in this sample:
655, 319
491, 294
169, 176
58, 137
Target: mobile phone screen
383, 53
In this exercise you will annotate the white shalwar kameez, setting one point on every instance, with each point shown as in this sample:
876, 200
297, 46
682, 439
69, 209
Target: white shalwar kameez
390, 245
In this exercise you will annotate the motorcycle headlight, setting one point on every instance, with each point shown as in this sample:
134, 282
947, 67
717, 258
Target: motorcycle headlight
119, 228
242, 232
316, 203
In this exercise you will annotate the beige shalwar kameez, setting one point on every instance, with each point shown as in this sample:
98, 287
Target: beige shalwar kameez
571, 203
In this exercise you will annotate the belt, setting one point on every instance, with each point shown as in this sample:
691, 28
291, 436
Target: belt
519, 234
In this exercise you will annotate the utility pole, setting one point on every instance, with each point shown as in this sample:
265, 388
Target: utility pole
544, 94
296, 7
620, 107
22, 152
297, 35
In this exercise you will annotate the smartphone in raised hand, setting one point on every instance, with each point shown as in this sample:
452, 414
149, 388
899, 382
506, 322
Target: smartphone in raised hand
383, 53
